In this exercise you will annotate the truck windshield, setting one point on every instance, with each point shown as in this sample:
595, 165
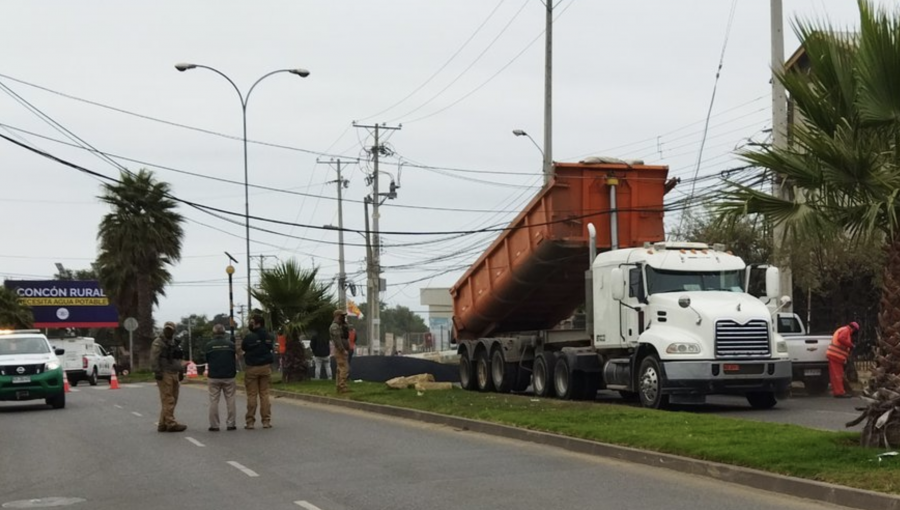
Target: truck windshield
35, 345
659, 280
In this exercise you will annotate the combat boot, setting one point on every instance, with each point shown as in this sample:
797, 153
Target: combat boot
178, 427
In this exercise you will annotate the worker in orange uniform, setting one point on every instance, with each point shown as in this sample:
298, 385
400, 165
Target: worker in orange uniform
837, 354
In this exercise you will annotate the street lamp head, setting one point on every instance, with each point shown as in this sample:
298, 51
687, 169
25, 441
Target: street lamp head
184, 66
519, 132
303, 73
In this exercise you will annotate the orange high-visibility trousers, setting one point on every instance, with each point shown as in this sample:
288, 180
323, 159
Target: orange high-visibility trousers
836, 373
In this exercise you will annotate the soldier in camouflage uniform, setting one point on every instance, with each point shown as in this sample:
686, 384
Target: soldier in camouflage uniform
166, 361
341, 344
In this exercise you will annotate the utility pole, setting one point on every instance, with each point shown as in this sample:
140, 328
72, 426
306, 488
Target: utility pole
342, 273
779, 137
375, 264
548, 93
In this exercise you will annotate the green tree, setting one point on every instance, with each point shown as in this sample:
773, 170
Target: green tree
14, 314
399, 321
140, 238
295, 305
843, 171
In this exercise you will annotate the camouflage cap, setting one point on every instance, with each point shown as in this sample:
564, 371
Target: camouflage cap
170, 325
340, 312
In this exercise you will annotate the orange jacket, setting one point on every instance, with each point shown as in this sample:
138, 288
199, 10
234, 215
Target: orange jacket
352, 339
841, 344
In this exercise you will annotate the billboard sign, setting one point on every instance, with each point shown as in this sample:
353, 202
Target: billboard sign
66, 304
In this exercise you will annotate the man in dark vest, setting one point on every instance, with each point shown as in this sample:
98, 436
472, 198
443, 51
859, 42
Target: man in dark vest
258, 358
221, 368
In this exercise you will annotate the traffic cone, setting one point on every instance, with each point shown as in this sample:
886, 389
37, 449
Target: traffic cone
192, 370
114, 381
66, 387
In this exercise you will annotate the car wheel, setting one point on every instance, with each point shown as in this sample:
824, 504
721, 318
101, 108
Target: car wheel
92, 380
57, 401
651, 381
762, 400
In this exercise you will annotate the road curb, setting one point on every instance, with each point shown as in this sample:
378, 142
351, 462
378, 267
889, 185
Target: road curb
797, 487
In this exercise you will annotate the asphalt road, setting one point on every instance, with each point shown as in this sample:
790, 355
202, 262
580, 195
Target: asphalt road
104, 451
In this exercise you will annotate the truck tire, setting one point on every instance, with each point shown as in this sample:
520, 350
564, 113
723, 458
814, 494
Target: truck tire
503, 374
762, 399
73, 381
483, 371
566, 384
466, 372
92, 379
542, 377
57, 401
815, 387
651, 381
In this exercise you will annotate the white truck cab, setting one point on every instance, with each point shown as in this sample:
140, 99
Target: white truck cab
682, 312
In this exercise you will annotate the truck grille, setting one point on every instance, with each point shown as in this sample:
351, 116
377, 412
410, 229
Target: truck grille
750, 340
26, 369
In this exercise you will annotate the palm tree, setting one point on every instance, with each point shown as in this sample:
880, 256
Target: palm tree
295, 304
139, 239
14, 314
843, 169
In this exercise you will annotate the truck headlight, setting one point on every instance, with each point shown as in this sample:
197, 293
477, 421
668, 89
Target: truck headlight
683, 348
51, 365
781, 346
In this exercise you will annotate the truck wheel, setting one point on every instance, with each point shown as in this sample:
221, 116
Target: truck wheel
503, 374
543, 375
56, 401
73, 381
466, 375
483, 372
565, 383
650, 384
92, 380
815, 386
762, 400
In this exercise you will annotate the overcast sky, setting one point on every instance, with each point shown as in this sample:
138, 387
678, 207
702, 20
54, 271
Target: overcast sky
631, 79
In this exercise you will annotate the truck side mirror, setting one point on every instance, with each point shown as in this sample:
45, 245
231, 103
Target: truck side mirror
617, 284
773, 283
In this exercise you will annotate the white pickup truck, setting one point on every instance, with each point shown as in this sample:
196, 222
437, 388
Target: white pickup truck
85, 360
807, 353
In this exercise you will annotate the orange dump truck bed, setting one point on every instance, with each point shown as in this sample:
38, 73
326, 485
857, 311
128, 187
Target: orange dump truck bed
532, 277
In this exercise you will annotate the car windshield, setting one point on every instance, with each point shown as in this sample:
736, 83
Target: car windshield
659, 280
26, 345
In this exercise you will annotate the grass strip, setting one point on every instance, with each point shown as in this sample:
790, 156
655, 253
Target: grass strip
792, 450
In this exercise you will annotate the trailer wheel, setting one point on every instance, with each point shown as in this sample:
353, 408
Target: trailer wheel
650, 384
503, 374
565, 380
483, 372
762, 399
466, 375
542, 377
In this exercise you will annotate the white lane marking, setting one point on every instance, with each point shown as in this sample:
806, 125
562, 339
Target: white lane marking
307, 505
198, 443
74, 390
139, 415
117, 406
247, 471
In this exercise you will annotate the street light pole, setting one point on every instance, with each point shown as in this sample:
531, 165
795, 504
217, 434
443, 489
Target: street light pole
303, 73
